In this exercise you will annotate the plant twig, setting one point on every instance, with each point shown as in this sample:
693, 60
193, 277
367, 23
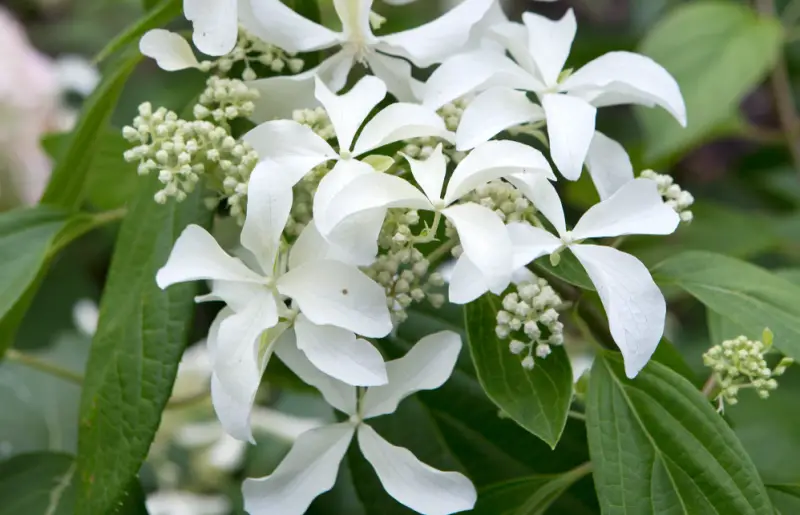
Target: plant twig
709, 386
576, 415
43, 366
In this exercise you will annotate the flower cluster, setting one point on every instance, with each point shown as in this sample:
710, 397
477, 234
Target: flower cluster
531, 314
740, 364
348, 200
678, 199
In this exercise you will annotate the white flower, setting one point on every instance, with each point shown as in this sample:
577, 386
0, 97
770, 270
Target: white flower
312, 464
385, 55
334, 301
291, 150
481, 231
633, 303
215, 24
170, 51
569, 100
186, 503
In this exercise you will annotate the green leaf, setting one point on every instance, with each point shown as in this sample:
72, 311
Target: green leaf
43, 484
141, 334
749, 298
569, 270
718, 52
157, 15
537, 399
668, 355
71, 176
531, 495
785, 497
658, 446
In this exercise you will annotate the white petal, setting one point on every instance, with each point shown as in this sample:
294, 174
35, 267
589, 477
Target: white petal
269, 201
355, 239
310, 246
170, 51
513, 37
348, 111
608, 164
634, 305
413, 483
340, 395
635, 208
215, 24
396, 73
549, 42
474, 71
354, 15
285, 28
544, 197
398, 122
334, 182
530, 242
433, 42
467, 283
570, 127
628, 78
197, 255
430, 173
493, 160
338, 353
329, 292
485, 241
426, 366
291, 149
309, 470
375, 190
492, 112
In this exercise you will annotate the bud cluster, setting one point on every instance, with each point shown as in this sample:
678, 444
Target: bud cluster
250, 49
404, 275
504, 199
530, 320
397, 232
739, 364
676, 198
451, 113
317, 120
183, 151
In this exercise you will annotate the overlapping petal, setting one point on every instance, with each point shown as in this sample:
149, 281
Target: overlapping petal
269, 201
215, 24
285, 28
544, 197
334, 182
354, 15
396, 73
170, 51
608, 165
467, 283
430, 173
549, 43
348, 111
492, 112
570, 127
530, 242
398, 122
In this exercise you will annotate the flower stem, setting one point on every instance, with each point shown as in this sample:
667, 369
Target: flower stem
438, 255
576, 415
35, 363
709, 386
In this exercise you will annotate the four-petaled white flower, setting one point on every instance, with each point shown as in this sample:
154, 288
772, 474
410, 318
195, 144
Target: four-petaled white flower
290, 150
482, 233
569, 100
330, 302
634, 305
312, 464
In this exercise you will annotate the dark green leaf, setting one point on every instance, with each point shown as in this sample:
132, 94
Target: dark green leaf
157, 15
668, 355
658, 447
141, 334
749, 298
71, 176
537, 399
718, 52
569, 270
785, 497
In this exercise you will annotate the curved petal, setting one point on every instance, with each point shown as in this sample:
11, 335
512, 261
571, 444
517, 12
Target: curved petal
544, 197
513, 37
338, 353
467, 283
215, 24
474, 71
413, 483
492, 112
398, 122
196, 255
354, 15
396, 73
340, 395
608, 164
332, 293
549, 43
635, 208
485, 241
570, 127
355, 239
170, 51
430, 173
628, 78
375, 190
283, 27
335, 181
309, 470
634, 305
433, 42
530, 242
269, 201
291, 149
348, 111
310, 246
426, 366
493, 160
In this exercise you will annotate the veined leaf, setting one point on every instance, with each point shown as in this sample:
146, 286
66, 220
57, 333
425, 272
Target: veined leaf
537, 399
141, 334
658, 447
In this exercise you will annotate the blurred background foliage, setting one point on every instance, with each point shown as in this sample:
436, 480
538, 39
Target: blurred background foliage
734, 158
